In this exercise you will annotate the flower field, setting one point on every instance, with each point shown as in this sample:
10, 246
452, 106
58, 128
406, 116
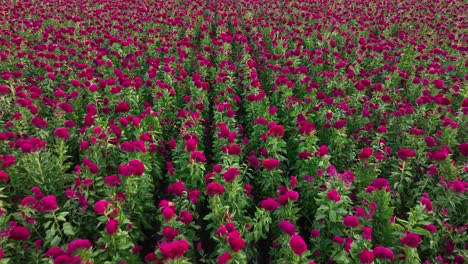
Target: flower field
233, 131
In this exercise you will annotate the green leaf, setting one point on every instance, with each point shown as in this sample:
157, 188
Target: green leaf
55, 241
332, 216
68, 229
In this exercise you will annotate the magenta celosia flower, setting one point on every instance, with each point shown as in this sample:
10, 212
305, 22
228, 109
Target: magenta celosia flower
112, 180
19, 233
111, 226
411, 240
236, 242
406, 153
77, 245
174, 250
269, 204
168, 213
198, 156
224, 258
431, 228
380, 184
339, 124
233, 149
214, 188
276, 131
49, 203
100, 207
287, 227
463, 149
230, 174
367, 233
323, 150
126, 170
122, 107
351, 221
298, 245
169, 232
366, 153
270, 164
457, 186
383, 253
191, 145
4, 176
315, 233
338, 239
427, 203
54, 252
138, 166
333, 195
366, 256
39, 122
61, 132
176, 188
193, 196
185, 217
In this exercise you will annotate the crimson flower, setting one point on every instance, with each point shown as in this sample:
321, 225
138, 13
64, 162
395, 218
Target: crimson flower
411, 240
366, 256
270, 164
174, 250
406, 153
297, 244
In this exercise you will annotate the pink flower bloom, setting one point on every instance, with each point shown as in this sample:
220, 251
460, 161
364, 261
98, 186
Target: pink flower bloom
61, 132
224, 258
366, 256
19, 233
4, 176
339, 124
214, 188
338, 239
185, 217
191, 145
411, 240
323, 150
77, 245
287, 227
54, 252
100, 207
298, 245
111, 226
351, 221
138, 166
236, 242
367, 233
383, 253
112, 180
276, 131
170, 233
49, 203
333, 195
176, 188
126, 170
406, 153
230, 174
463, 149
198, 156
168, 213
366, 153
427, 203
269, 204
270, 164
431, 228
315, 233
174, 250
